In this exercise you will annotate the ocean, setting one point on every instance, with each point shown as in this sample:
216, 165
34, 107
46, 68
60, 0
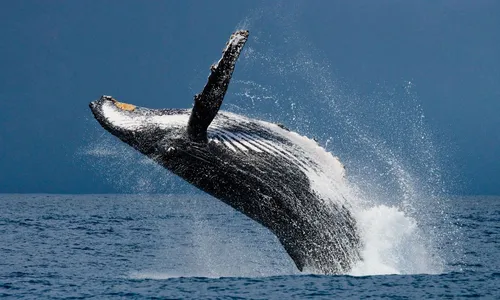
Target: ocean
196, 247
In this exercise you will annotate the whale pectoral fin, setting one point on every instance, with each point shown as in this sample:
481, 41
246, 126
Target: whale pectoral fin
207, 104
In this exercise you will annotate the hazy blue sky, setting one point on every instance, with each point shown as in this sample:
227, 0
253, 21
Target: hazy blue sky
56, 56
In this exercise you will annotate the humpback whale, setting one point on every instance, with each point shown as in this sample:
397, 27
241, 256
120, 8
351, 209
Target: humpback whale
261, 169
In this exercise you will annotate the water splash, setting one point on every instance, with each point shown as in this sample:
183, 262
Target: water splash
392, 162
124, 168
396, 184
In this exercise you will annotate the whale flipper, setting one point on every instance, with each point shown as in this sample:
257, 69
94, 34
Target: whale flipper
207, 104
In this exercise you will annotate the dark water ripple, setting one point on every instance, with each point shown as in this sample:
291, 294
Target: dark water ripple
159, 247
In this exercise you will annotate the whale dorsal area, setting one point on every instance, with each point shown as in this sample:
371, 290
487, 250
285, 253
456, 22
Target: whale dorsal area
208, 102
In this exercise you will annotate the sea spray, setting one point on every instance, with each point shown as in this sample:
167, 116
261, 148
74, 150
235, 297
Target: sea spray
383, 186
393, 172
126, 169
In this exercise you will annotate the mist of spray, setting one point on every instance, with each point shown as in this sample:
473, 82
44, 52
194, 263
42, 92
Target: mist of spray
392, 163
395, 182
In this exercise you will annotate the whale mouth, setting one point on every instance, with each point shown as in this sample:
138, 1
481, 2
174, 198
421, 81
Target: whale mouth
97, 109
101, 108
125, 121
123, 118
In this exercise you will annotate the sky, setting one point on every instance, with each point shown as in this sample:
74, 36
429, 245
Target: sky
57, 56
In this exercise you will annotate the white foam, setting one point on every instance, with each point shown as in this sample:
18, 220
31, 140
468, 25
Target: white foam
392, 244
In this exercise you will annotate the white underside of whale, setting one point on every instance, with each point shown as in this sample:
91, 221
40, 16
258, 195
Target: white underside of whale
301, 151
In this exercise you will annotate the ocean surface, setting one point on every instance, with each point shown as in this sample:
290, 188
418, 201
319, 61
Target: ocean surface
194, 246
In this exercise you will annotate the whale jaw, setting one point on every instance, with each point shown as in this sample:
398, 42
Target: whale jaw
142, 128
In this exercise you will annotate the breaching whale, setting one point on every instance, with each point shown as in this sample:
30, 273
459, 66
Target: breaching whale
259, 168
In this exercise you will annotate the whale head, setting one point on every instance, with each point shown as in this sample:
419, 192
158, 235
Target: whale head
142, 128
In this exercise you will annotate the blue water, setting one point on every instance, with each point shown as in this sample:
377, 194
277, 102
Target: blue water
157, 246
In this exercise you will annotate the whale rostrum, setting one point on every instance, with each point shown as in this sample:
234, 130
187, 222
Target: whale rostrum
267, 172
